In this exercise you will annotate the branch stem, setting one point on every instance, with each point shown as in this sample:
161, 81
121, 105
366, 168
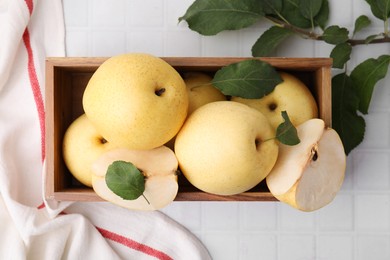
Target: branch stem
315, 36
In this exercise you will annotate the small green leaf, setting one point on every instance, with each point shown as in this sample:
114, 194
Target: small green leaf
365, 76
380, 8
340, 54
247, 79
321, 19
310, 8
125, 180
269, 41
335, 34
286, 133
345, 120
371, 38
360, 23
211, 17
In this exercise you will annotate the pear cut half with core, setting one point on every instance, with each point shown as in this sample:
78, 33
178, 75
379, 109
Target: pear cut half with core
309, 175
159, 167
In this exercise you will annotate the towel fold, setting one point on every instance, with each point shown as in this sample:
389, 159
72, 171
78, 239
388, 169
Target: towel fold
33, 228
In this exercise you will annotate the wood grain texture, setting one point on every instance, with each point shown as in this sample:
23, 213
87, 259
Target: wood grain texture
66, 79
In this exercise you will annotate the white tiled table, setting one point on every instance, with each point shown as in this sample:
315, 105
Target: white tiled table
355, 226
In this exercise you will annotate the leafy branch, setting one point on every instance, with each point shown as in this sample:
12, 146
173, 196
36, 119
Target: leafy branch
308, 19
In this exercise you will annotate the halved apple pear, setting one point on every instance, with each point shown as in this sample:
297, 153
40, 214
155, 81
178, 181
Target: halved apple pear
309, 175
158, 165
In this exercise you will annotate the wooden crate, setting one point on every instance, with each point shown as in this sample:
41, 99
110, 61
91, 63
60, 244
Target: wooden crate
66, 79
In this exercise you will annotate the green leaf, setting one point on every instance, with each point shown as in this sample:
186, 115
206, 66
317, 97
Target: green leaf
247, 79
340, 54
345, 120
310, 8
380, 8
371, 38
335, 34
290, 12
365, 76
269, 41
271, 6
286, 133
321, 19
211, 17
360, 23
125, 180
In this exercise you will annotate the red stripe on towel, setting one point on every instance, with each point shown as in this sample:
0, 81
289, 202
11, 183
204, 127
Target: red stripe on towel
133, 244
30, 5
35, 88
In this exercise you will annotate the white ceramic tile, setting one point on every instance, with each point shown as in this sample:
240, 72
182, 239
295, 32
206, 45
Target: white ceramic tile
256, 246
364, 52
258, 216
292, 219
296, 247
341, 13
76, 12
220, 216
108, 13
182, 43
148, 41
247, 38
186, 213
145, 13
349, 174
335, 247
338, 215
373, 247
224, 44
108, 43
372, 170
77, 44
222, 245
372, 212
377, 130
381, 95
174, 9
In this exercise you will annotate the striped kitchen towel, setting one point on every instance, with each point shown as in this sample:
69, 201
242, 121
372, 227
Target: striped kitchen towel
32, 228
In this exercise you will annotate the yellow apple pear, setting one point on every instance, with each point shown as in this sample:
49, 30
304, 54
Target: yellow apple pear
226, 148
292, 95
82, 145
136, 100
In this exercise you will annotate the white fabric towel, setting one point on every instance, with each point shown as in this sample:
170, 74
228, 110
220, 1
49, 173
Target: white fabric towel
31, 228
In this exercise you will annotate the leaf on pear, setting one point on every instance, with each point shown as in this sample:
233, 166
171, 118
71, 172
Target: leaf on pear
286, 133
125, 180
365, 76
310, 8
348, 124
211, 17
340, 54
247, 79
380, 8
335, 34
270, 40
360, 23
